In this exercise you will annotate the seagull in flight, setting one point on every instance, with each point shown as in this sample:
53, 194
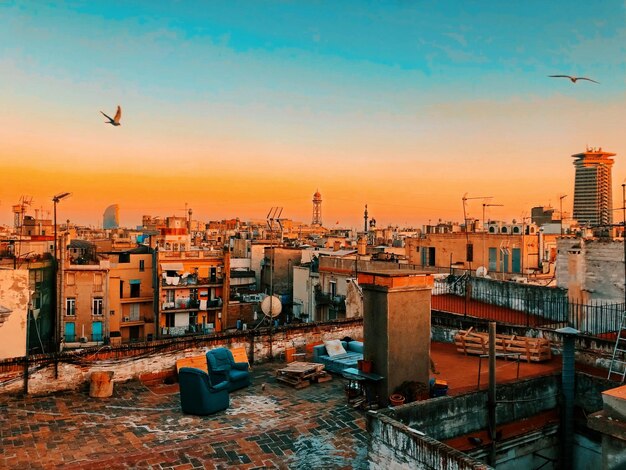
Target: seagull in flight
573, 79
116, 120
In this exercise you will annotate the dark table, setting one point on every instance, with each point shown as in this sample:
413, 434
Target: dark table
363, 382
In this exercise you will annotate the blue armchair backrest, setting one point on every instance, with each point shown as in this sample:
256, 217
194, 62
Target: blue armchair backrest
193, 381
220, 359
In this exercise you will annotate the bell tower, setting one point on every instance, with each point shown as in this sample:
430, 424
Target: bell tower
317, 209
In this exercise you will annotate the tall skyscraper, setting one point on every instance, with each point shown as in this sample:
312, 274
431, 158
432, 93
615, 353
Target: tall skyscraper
317, 209
593, 202
111, 217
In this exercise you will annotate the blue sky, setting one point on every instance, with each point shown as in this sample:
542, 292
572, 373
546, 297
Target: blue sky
402, 105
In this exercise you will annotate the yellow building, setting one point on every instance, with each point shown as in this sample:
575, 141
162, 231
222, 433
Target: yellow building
131, 296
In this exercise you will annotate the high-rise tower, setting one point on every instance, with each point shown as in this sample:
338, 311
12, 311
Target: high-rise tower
317, 209
593, 202
111, 217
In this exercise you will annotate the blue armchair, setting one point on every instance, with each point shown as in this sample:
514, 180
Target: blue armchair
222, 366
197, 394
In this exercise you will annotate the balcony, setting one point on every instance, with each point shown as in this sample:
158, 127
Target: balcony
134, 300
337, 302
97, 338
180, 305
321, 298
136, 320
177, 282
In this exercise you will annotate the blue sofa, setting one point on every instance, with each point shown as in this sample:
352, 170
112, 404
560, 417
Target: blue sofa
222, 366
354, 352
198, 396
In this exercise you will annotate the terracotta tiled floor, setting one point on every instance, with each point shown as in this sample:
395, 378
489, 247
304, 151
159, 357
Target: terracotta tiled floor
279, 427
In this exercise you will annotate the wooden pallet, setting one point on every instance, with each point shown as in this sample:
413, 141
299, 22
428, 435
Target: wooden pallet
301, 374
530, 349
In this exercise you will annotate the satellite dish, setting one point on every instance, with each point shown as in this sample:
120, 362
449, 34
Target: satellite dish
481, 271
271, 306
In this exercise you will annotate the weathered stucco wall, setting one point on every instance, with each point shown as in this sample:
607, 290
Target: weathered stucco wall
14, 300
448, 417
592, 268
395, 445
72, 370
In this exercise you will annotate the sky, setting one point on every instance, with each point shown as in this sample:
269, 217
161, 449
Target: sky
233, 107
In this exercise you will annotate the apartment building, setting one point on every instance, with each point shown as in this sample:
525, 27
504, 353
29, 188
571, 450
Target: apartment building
193, 291
83, 296
131, 296
507, 249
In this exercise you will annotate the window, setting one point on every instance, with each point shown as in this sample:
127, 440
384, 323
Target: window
470, 252
70, 306
333, 288
135, 287
134, 312
124, 258
169, 296
121, 289
431, 256
142, 265
170, 319
96, 308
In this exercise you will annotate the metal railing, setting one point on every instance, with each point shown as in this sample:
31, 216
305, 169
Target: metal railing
537, 307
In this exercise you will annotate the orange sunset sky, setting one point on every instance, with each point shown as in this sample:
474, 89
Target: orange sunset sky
235, 107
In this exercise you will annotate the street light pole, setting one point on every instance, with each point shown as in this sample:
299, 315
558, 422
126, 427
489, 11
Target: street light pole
57, 310
561, 211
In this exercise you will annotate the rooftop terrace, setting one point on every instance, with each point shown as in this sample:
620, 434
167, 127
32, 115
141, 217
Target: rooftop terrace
270, 426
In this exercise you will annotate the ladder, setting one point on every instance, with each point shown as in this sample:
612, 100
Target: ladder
618, 362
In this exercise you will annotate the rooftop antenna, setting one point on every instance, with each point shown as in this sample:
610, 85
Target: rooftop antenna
465, 199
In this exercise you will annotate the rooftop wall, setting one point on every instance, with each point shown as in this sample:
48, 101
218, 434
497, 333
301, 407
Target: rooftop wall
448, 417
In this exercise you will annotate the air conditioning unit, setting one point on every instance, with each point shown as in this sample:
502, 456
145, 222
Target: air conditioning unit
126, 318
83, 339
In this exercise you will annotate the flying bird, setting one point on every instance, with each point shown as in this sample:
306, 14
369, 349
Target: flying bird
573, 79
116, 120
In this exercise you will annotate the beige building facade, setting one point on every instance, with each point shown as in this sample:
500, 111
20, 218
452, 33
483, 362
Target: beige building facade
84, 303
508, 254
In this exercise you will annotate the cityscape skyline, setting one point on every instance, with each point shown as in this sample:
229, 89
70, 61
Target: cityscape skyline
240, 107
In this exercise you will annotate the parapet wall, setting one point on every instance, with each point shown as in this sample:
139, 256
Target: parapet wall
447, 417
72, 370
395, 445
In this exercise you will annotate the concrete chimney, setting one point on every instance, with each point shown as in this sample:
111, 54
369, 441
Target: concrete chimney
396, 327
362, 246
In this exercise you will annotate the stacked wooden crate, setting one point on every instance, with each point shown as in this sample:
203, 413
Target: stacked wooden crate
530, 349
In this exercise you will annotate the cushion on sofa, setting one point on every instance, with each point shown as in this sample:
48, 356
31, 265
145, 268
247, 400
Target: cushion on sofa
334, 348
